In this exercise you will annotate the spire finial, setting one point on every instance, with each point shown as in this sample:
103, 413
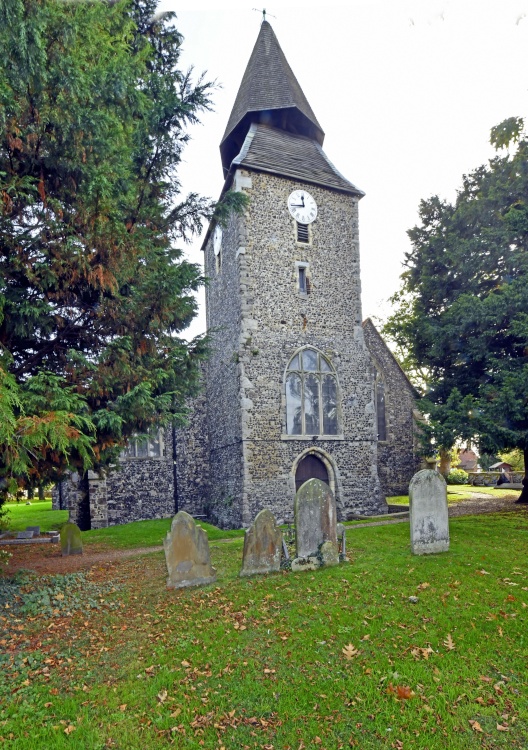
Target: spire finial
263, 11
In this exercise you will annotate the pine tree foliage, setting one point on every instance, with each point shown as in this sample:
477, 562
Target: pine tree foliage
462, 312
94, 292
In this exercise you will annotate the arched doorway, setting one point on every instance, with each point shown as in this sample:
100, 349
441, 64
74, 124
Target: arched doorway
310, 467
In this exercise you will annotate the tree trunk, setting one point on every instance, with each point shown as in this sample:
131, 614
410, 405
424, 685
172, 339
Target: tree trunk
445, 462
523, 497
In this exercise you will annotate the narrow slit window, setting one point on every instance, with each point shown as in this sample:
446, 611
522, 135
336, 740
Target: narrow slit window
303, 234
302, 280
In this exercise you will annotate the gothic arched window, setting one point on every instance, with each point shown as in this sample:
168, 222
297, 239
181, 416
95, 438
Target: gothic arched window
380, 407
311, 395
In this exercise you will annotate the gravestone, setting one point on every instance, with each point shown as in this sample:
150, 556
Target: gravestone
262, 545
329, 554
315, 521
27, 534
187, 553
34, 529
428, 513
70, 538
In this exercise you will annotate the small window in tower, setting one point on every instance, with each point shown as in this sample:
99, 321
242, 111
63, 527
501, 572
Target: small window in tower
302, 280
303, 234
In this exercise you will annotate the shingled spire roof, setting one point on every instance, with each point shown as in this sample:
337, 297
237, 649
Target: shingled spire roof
269, 94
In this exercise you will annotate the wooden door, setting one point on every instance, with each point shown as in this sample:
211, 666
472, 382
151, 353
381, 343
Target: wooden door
310, 467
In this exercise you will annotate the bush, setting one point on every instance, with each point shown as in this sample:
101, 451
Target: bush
457, 476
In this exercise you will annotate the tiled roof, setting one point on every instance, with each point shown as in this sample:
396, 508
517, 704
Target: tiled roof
271, 150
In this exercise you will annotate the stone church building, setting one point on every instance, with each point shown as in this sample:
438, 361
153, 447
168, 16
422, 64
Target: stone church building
296, 385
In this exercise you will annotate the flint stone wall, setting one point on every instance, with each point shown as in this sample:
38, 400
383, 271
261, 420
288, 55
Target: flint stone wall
140, 489
398, 455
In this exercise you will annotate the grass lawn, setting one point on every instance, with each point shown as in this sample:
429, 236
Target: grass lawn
20, 515
334, 659
129, 536
458, 492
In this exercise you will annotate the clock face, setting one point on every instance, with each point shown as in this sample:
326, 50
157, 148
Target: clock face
302, 206
217, 239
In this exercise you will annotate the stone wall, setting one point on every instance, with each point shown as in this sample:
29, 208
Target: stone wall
262, 319
192, 460
398, 455
140, 489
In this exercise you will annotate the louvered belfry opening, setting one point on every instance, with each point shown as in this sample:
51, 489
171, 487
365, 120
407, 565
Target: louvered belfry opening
303, 234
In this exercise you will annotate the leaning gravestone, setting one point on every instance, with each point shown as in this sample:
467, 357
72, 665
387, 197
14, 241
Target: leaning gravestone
428, 513
70, 537
315, 524
187, 553
262, 546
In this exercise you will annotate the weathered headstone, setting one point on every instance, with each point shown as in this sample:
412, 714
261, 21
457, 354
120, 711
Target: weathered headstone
187, 553
27, 534
428, 513
70, 537
262, 546
329, 554
34, 529
315, 520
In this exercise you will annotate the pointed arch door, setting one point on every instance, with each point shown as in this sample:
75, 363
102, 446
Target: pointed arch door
310, 467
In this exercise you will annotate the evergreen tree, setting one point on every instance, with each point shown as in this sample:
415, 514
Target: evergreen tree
94, 293
462, 312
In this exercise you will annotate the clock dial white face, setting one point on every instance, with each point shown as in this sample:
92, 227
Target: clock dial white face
302, 206
217, 239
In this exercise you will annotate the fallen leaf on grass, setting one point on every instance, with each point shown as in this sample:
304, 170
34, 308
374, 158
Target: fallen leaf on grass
485, 679
502, 728
349, 651
402, 692
69, 729
448, 643
482, 572
162, 696
475, 726
418, 652
422, 586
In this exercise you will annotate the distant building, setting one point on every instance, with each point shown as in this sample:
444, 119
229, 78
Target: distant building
468, 460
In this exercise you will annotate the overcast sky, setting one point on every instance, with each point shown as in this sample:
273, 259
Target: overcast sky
405, 90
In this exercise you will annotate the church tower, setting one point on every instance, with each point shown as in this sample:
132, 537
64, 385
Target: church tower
290, 383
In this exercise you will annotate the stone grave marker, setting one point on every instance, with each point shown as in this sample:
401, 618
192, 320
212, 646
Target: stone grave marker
187, 553
262, 546
70, 538
315, 524
27, 534
428, 513
34, 529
